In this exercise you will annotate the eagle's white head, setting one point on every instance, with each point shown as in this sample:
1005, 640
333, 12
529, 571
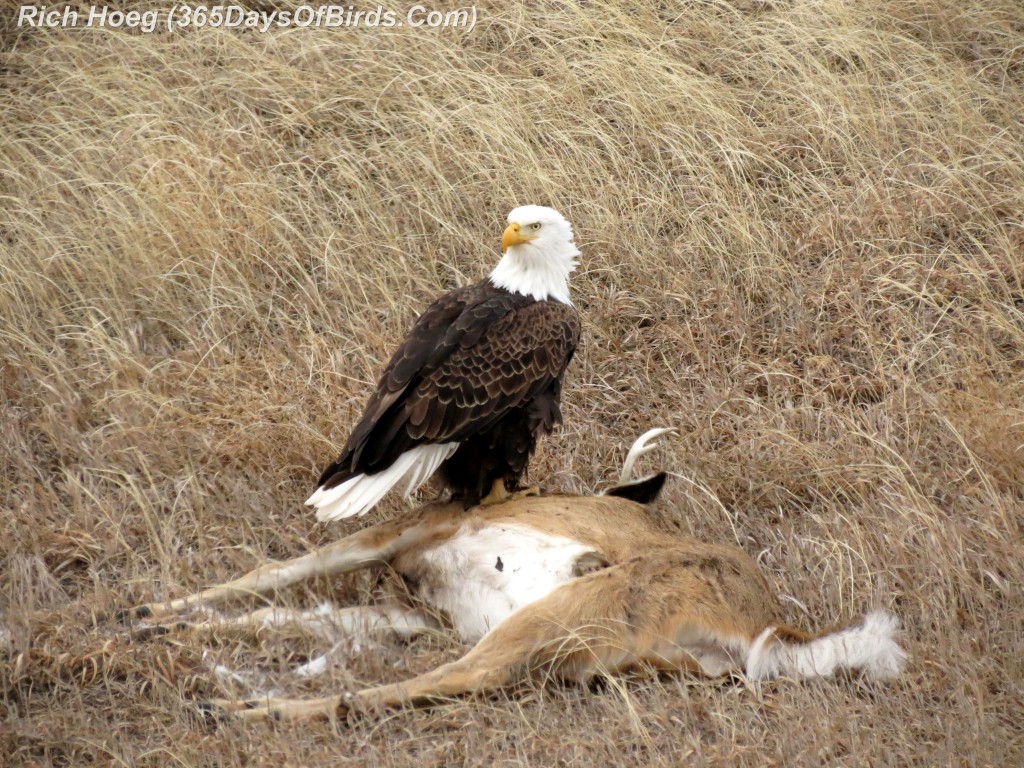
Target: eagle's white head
538, 254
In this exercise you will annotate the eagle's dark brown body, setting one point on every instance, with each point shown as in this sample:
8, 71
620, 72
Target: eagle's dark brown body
481, 367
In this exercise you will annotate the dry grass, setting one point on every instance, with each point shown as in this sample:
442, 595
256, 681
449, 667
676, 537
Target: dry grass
802, 226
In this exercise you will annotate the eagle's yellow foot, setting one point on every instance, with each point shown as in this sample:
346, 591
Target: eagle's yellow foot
522, 493
499, 493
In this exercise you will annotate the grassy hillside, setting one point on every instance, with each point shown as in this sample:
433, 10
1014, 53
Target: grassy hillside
802, 227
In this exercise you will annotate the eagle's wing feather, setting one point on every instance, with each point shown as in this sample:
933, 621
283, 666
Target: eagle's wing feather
465, 364
515, 359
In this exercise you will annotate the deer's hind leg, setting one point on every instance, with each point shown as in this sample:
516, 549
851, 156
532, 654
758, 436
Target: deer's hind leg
501, 658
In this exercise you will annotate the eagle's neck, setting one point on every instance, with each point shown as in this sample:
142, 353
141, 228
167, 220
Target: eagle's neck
537, 271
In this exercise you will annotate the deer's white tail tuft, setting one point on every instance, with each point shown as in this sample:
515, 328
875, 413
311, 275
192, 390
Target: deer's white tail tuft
869, 646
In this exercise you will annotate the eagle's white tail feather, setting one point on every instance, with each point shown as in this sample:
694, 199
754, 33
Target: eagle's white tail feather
314, 500
359, 494
424, 469
869, 646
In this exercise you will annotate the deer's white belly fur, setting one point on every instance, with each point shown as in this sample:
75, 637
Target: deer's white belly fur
480, 577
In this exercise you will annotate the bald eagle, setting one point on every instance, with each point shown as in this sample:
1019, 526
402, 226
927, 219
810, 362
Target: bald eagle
475, 383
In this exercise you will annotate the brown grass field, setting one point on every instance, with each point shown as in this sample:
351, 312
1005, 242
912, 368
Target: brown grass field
803, 236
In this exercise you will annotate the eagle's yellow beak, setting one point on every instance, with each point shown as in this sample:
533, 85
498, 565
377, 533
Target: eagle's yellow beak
513, 236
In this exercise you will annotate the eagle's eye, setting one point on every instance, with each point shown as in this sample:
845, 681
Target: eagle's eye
535, 227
